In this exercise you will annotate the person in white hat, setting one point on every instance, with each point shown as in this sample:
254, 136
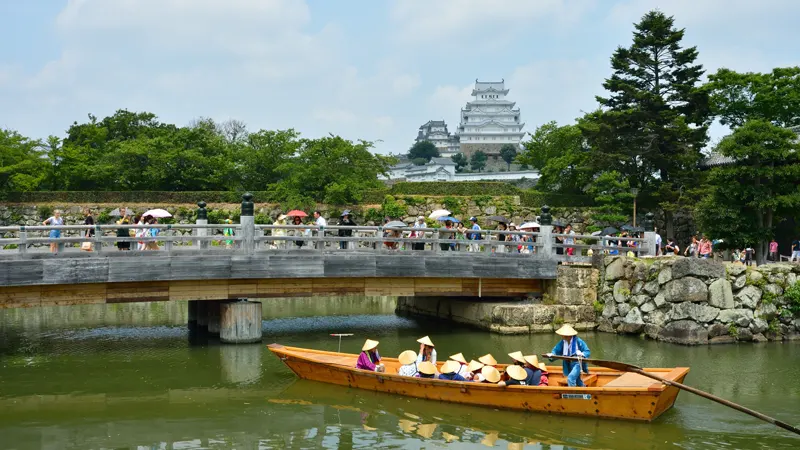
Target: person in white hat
420, 223
370, 359
571, 345
462, 364
426, 350
450, 371
408, 359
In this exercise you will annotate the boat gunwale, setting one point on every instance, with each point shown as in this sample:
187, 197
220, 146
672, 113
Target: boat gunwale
654, 389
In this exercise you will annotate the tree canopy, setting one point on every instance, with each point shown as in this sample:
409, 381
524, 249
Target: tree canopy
508, 152
478, 161
423, 149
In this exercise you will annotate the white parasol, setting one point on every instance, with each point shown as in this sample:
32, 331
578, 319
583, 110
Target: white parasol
158, 213
439, 213
528, 225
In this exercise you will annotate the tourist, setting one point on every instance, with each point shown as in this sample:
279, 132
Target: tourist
611, 243
474, 371
279, 222
151, 232
446, 232
228, 232
773, 250
501, 237
346, 221
514, 376
474, 236
416, 234
426, 350
461, 235
704, 248
691, 249
659, 251
426, 369
488, 360
123, 233
319, 220
370, 359
408, 359
462, 365
545, 379
795, 251
529, 364
570, 240
88, 220
573, 346
139, 232
450, 371
55, 220
297, 221
671, 247
559, 240
490, 374
748, 256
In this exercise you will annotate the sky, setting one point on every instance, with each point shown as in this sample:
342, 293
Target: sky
362, 69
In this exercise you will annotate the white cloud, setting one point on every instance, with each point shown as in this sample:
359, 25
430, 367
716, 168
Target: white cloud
334, 115
405, 84
446, 103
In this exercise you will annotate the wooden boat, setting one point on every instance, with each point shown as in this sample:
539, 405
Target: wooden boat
608, 393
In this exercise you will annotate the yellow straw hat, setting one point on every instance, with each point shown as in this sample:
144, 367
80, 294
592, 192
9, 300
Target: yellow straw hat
517, 356
426, 341
450, 367
517, 373
490, 439
488, 359
449, 437
474, 365
406, 425
542, 367
369, 345
516, 446
427, 368
532, 360
566, 330
426, 430
459, 357
491, 374
407, 357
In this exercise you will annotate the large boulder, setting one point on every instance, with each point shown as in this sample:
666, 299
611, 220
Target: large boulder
749, 297
640, 300
766, 311
744, 334
699, 312
773, 289
610, 310
632, 323
651, 287
718, 329
622, 291
665, 275
706, 268
658, 318
687, 289
754, 276
616, 269
720, 294
740, 317
623, 309
759, 325
735, 269
648, 307
660, 300
687, 332
740, 281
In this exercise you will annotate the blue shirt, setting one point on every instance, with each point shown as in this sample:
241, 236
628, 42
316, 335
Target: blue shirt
533, 379
451, 377
579, 345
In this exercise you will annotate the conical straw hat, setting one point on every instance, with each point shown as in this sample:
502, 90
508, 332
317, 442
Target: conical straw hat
542, 367
426, 430
406, 425
427, 368
566, 330
491, 374
488, 359
516, 446
449, 437
490, 439
450, 367
425, 340
474, 365
532, 360
517, 373
407, 357
517, 356
369, 345
459, 357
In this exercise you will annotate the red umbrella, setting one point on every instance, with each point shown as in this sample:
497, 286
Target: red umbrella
296, 213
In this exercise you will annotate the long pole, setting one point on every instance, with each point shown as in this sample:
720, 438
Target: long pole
616, 365
634, 211
340, 339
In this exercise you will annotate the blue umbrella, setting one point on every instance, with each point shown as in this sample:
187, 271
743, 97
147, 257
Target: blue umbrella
446, 218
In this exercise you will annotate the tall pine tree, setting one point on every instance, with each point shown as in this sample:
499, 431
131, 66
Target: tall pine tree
655, 120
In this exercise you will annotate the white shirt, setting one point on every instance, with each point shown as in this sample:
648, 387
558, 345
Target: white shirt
433, 357
321, 222
570, 240
408, 370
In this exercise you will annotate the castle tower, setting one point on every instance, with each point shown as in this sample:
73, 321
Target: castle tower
489, 121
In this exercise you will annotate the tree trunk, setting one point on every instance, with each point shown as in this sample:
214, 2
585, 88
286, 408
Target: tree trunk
761, 256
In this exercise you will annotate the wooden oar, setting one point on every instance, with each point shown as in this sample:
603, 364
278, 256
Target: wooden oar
623, 367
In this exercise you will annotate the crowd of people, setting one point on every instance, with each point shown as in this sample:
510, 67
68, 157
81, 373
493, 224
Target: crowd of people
524, 370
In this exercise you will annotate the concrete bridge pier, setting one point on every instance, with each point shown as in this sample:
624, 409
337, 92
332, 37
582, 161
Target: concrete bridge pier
241, 364
213, 314
240, 322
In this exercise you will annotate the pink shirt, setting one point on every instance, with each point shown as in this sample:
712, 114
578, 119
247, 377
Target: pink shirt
705, 247
773, 247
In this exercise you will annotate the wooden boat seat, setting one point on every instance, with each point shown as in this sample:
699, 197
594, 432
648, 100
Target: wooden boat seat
630, 379
588, 380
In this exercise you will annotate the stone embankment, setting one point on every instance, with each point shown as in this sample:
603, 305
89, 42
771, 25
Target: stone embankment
695, 301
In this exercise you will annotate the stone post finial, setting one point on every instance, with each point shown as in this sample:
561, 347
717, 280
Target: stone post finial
545, 218
202, 212
649, 222
247, 204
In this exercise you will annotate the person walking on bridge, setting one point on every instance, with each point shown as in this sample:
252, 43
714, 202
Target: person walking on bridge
573, 346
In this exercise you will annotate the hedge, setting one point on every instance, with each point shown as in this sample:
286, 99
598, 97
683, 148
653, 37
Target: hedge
132, 197
534, 198
457, 188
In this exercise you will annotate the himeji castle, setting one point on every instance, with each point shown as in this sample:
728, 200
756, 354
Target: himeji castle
489, 121
436, 132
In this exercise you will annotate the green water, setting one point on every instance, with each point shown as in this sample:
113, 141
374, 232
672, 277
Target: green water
131, 376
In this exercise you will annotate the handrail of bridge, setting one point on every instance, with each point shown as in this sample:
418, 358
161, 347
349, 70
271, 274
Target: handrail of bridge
326, 238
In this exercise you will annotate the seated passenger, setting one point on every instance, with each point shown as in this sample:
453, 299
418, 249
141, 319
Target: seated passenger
408, 359
426, 369
545, 379
474, 371
426, 350
490, 375
514, 376
462, 365
450, 372
370, 359
533, 371
488, 360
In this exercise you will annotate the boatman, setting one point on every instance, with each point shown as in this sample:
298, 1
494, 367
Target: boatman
571, 345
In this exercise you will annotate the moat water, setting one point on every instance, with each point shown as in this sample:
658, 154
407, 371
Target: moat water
131, 376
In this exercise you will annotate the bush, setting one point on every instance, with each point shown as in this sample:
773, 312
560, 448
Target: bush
532, 198
792, 294
133, 197
455, 188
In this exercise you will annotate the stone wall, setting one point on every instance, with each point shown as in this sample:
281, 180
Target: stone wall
568, 299
695, 301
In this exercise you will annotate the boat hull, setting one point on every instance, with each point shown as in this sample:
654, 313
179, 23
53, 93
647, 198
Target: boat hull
643, 403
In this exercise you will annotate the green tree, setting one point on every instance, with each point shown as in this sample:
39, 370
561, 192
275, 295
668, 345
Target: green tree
739, 97
460, 160
612, 195
23, 166
560, 156
749, 198
508, 152
261, 154
423, 149
654, 121
419, 161
478, 161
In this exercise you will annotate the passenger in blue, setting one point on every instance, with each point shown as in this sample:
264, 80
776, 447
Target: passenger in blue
530, 364
450, 371
571, 345
514, 376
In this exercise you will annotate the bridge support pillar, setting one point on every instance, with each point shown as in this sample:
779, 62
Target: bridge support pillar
214, 318
240, 322
241, 364
192, 313
202, 314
